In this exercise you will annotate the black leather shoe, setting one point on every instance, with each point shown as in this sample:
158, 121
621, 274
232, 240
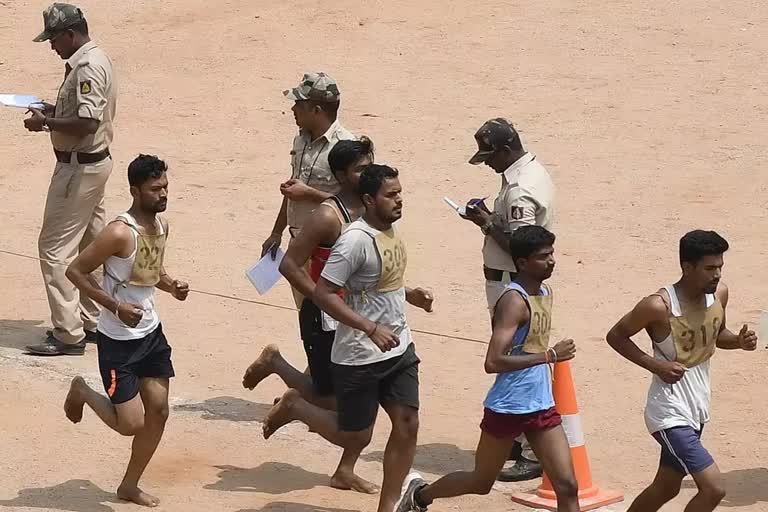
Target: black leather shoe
523, 470
90, 336
53, 347
516, 452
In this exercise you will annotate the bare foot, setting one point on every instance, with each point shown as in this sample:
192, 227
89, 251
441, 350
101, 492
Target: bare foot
350, 481
261, 368
73, 405
280, 414
137, 496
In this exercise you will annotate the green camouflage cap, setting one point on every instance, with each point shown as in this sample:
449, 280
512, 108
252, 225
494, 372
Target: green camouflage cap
58, 17
492, 136
316, 87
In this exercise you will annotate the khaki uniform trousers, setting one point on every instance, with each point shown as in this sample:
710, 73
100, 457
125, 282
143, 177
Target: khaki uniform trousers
74, 215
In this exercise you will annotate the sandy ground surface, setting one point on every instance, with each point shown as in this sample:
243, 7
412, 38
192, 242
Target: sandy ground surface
651, 119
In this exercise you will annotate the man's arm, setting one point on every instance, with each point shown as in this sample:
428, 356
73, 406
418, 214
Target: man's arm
76, 126
325, 296
322, 225
648, 311
745, 339
114, 239
91, 100
420, 298
511, 312
296, 190
272, 243
522, 212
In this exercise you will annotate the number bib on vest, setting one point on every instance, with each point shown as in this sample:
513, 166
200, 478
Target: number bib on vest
537, 340
695, 334
150, 250
393, 260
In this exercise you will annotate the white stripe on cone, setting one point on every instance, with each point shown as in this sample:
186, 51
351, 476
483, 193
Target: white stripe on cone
573, 430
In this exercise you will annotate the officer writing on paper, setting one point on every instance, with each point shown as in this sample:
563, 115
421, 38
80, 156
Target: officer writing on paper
526, 197
80, 125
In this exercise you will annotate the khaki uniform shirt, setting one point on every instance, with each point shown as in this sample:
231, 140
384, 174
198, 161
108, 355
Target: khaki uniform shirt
88, 91
526, 198
309, 163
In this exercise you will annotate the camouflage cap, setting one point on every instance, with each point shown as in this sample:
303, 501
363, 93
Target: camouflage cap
58, 17
315, 87
493, 135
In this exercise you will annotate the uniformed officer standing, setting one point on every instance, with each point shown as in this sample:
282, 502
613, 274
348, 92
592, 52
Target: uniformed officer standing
315, 110
526, 198
81, 131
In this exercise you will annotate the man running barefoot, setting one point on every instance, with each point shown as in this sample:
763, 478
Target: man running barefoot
520, 400
134, 356
374, 360
686, 322
313, 243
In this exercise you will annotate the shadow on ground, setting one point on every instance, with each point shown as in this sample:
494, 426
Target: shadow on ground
227, 408
283, 506
745, 487
72, 495
269, 478
18, 334
435, 458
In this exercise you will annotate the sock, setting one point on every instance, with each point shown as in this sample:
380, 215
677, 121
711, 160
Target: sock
419, 500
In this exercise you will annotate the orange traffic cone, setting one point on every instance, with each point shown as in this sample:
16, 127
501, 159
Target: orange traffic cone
590, 496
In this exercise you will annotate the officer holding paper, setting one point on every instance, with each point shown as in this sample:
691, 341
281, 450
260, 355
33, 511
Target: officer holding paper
80, 126
526, 198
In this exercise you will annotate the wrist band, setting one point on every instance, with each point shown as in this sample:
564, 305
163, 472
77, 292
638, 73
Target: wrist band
554, 354
117, 308
375, 326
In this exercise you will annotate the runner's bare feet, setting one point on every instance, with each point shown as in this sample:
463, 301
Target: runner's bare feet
73, 405
350, 481
261, 368
280, 414
137, 496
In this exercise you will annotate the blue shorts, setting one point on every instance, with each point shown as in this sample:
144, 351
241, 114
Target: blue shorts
681, 450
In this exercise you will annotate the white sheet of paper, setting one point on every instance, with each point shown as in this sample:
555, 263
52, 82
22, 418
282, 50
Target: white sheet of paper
461, 210
20, 100
265, 273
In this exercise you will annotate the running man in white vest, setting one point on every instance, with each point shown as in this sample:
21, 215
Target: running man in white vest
686, 322
134, 356
520, 400
313, 245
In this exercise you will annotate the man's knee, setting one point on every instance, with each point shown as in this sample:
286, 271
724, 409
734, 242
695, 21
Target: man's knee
482, 485
406, 424
566, 486
157, 414
359, 439
713, 493
130, 426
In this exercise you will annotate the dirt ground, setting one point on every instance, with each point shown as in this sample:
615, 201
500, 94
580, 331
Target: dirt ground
651, 118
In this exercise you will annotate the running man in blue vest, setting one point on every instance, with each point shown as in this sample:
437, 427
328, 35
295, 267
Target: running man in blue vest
520, 400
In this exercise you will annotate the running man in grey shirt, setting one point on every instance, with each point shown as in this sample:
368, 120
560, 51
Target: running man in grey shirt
374, 360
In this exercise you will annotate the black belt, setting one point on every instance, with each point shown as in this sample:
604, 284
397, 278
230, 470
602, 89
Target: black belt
65, 157
491, 274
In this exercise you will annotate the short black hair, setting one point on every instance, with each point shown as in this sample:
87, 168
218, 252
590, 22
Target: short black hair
698, 243
347, 152
526, 240
145, 167
373, 177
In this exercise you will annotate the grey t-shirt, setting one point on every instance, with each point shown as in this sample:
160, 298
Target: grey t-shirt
355, 264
